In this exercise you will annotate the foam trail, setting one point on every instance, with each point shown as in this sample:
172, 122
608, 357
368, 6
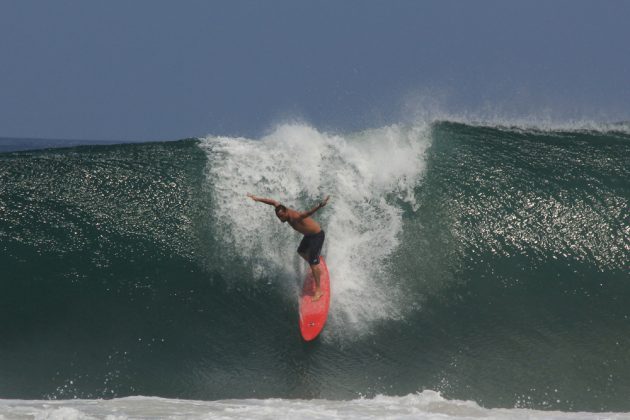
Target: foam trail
367, 174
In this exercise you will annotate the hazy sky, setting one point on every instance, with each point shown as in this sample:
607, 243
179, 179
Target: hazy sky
155, 69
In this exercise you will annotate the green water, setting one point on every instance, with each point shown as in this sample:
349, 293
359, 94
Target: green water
124, 272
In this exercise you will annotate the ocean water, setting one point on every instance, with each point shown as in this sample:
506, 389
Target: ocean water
477, 270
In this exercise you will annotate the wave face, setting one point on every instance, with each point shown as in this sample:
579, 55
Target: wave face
488, 263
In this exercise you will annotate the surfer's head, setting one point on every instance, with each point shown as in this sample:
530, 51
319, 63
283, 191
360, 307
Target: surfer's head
282, 213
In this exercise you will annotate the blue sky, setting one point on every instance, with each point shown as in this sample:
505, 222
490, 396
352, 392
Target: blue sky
159, 70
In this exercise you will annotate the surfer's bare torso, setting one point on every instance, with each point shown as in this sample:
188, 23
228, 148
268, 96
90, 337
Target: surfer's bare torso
304, 225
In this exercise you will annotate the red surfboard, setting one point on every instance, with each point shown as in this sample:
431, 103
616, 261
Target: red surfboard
313, 315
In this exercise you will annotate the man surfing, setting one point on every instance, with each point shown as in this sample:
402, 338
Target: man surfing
311, 245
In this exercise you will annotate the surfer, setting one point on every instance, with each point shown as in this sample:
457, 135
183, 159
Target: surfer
311, 244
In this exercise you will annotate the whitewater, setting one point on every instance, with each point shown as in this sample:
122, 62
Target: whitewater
367, 174
425, 405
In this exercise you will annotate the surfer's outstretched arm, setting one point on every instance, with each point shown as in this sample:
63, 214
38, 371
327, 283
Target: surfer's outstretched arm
264, 200
305, 214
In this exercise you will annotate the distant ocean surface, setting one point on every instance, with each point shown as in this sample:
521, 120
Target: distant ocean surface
10, 144
477, 270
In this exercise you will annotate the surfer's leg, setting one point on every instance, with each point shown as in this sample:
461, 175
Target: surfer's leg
313, 260
318, 291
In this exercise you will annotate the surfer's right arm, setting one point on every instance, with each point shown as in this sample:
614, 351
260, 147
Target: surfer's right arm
264, 200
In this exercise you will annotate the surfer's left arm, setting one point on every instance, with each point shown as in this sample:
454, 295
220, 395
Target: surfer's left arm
269, 201
305, 214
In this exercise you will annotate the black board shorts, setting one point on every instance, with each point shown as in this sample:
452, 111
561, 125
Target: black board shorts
311, 245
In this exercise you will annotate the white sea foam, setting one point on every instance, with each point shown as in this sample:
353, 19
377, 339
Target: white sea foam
368, 175
425, 405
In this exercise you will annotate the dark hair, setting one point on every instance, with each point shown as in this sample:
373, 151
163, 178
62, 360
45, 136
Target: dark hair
280, 207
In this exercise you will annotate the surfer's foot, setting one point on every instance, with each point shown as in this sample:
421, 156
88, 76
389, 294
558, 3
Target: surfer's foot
318, 294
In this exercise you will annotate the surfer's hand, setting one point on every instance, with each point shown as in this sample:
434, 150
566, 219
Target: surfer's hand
252, 196
324, 201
